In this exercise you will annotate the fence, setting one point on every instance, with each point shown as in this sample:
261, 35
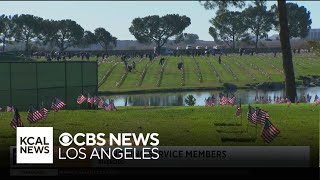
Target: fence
37, 83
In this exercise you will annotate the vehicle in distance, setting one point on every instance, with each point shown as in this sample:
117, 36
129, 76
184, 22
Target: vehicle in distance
199, 47
189, 47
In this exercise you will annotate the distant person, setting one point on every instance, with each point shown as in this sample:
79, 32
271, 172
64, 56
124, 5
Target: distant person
134, 65
220, 59
275, 54
49, 58
161, 61
87, 56
82, 56
180, 66
129, 68
240, 51
69, 56
150, 57
294, 51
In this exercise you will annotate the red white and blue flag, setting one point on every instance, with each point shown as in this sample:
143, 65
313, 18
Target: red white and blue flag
34, 115
57, 104
16, 120
81, 99
269, 132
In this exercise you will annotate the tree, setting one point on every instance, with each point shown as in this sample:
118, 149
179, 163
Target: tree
222, 6
158, 29
299, 21
228, 27
7, 27
88, 39
63, 33
287, 64
259, 20
28, 28
190, 100
104, 38
290, 87
189, 38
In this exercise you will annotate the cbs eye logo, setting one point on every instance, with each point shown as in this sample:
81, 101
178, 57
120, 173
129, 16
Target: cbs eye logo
65, 139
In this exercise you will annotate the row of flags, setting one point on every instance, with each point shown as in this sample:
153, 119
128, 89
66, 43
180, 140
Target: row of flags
223, 100
35, 115
280, 100
97, 101
260, 116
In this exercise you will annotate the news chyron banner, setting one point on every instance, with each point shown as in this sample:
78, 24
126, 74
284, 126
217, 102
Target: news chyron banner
36, 152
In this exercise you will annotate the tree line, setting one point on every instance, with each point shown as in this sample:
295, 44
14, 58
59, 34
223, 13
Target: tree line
60, 33
228, 27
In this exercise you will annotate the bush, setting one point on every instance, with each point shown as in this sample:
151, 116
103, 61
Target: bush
190, 100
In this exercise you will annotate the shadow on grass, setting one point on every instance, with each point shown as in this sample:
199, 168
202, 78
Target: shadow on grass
238, 139
235, 131
226, 124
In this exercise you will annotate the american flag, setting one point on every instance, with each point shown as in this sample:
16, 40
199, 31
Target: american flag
57, 105
44, 112
81, 99
256, 99
262, 116
251, 115
90, 99
239, 110
96, 100
288, 102
209, 101
9, 109
308, 98
316, 100
34, 115
269, 132
232, 100
102, 103
16, 120
111, 105
223, 100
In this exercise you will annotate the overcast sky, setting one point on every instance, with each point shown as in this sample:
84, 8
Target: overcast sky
116, 17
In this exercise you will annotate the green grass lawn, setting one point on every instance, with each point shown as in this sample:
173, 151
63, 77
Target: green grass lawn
245, 68
184, 126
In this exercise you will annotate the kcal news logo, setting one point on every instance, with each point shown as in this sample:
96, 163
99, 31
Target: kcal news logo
34, 145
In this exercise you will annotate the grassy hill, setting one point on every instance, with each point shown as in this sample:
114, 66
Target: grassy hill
202, 72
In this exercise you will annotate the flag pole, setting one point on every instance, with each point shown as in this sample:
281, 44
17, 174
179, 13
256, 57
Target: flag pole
240, 114
287, 116
256, 130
